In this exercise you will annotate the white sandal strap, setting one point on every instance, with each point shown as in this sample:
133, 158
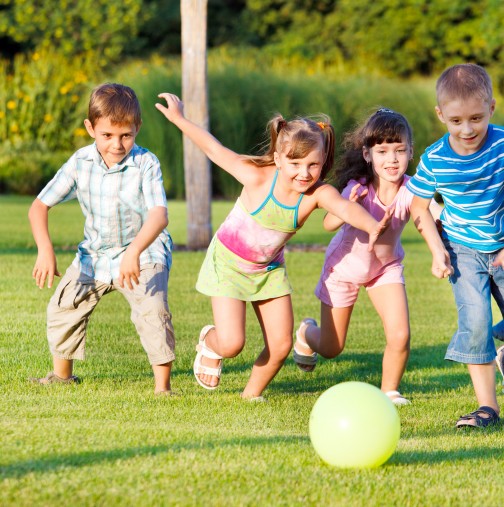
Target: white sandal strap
391, 394
207, 370
304, 323
206, 352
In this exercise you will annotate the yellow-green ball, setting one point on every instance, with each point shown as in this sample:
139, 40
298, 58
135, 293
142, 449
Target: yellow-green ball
354, 425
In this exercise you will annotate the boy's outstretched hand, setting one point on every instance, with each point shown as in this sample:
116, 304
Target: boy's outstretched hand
174, 108
380, 228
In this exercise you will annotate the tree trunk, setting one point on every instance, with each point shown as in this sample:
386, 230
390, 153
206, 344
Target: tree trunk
197, 172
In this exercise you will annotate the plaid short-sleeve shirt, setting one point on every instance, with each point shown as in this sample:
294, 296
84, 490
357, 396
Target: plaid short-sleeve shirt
115, 202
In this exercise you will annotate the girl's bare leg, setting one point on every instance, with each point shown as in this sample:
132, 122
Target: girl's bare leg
391, 303
277, 320
328, 340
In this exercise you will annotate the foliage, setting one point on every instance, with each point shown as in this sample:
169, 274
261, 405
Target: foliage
399, 37
44, 97
392, 37
41, 117
26, 167
108, 28
110, 441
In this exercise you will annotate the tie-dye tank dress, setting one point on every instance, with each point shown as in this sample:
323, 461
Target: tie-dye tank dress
245, 259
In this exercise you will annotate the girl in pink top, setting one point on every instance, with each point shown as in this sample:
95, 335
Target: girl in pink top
372, 172
244, 262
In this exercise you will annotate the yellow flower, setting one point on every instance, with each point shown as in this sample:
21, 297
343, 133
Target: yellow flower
35, 57
14, 128
63, 90
80, 77
2, 115
48, 118
74, 98
80, 132
11, 104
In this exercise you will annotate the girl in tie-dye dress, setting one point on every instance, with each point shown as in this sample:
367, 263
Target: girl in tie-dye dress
245, 261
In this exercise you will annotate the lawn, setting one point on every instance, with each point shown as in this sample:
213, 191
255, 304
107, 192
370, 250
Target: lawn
110, 441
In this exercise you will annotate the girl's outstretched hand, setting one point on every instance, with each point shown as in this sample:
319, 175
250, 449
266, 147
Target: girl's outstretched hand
355, 196
174, 108
380, 228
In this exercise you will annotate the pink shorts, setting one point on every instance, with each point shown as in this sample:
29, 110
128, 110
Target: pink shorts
337, 293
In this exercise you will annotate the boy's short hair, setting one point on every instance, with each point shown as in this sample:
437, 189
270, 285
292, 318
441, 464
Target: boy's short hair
116, 102
463, 81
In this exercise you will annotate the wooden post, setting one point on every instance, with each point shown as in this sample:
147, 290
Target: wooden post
197, 171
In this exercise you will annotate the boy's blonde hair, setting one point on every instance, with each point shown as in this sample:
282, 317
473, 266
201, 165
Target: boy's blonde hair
116, 102
464, 81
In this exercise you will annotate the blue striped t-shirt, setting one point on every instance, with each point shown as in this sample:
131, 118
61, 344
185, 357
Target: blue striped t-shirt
115, 202
472, 187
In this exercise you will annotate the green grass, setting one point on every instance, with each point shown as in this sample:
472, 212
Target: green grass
109, 441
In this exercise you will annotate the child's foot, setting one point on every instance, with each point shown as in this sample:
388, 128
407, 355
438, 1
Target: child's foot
52, 378
397, 398
254, 399
207, 364
481, 418
303, 355
167, 392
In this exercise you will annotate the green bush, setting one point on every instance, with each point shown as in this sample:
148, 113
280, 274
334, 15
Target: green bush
26, 168
44, 99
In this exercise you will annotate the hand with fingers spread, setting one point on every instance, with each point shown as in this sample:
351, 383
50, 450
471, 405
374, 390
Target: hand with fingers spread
357, 193
381, 227
174, 108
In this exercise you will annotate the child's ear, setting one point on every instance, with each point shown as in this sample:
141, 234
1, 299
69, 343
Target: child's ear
492, 107
138, 127
366, 154
89, 128
439, 114
276, 158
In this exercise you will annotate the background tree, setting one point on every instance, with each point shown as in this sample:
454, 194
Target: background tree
198, 183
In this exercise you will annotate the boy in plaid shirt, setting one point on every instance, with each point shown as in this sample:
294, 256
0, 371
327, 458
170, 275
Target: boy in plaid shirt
126, 246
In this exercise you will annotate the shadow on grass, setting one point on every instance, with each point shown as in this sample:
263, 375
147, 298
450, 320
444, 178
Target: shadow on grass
65, 461
453, 456
360, 366
52, 464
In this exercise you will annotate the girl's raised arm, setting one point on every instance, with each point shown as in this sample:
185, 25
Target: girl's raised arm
225, 158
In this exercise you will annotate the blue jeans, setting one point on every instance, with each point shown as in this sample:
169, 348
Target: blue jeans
473, 282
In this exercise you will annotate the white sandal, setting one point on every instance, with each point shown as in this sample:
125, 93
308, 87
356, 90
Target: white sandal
204, 351
397, 398
305, 362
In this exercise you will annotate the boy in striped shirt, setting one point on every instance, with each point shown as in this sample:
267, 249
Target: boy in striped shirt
126, 246
466, 167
